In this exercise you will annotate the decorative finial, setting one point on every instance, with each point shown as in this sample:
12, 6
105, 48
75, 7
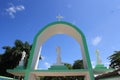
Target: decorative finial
59, 17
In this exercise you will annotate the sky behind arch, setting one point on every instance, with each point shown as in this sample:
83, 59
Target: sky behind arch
97, 19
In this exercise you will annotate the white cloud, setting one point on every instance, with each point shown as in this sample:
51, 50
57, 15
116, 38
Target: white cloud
96, 40
20, 8
13, 9
43, 58
47, 65
106, 64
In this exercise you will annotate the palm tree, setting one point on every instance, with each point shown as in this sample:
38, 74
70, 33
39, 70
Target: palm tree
12, 55
20, 47
115, 60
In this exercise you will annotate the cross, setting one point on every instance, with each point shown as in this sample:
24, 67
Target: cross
59, 17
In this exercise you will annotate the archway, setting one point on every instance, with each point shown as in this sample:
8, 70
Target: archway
69, 50
59, 28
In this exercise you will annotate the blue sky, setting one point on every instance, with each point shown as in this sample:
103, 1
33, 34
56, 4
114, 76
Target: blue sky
98, 20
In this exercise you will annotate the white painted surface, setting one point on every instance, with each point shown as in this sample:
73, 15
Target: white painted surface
53, 30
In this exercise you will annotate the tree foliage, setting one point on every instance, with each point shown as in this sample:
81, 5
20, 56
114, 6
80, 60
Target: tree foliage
115, 60
78, 64
12, 55
69, 66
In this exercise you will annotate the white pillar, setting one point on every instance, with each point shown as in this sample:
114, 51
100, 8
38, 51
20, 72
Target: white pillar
36, 65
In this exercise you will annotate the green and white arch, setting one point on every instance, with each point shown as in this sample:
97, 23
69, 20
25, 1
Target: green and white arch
54, 28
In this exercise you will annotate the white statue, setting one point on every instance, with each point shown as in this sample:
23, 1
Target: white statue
22, 59
58, 55
98, 57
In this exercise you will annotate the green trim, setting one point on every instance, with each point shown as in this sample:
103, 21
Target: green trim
87, 58
83, 41
16, 70
19, 67
3, 77
58, 67
65, 70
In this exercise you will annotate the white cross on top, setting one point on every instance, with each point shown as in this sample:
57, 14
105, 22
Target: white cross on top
59, 17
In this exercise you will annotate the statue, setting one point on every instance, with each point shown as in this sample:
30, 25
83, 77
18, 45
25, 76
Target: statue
22, 59
58, 55
98, 57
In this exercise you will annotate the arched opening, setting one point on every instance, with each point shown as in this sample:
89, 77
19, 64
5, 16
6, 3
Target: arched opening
70, 50
59, 29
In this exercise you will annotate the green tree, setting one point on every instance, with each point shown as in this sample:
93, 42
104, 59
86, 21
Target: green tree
69, 66
115, 60
78, 64
12, 55
8, 60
